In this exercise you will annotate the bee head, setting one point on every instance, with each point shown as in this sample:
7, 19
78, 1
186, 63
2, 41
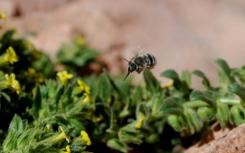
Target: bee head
131, 67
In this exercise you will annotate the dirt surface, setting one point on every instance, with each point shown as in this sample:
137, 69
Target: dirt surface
188, 34
224, 141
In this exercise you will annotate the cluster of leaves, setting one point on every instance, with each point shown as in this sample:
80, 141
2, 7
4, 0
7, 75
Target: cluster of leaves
19, 60
69, 113
77, 56
25, 90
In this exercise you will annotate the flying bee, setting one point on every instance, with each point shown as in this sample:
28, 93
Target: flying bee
140, 63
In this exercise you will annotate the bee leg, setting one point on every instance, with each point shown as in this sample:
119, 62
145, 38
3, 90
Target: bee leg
139, 69
126, 76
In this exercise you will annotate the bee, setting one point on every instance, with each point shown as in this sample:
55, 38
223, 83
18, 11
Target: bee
140, 63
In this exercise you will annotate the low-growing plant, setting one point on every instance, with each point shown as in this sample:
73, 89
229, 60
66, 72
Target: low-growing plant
45, 111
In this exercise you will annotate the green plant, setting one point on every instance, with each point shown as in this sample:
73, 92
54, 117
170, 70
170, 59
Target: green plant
73, 112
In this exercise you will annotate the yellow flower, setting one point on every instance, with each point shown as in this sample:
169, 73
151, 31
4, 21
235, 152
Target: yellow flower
86, 99
68, 149
10, 56
40, 78
28, 44
169, 84
12, 82
61, 136
140, 121
83, 86
31, 71
2, 16
85, 138
64, 76
80, 41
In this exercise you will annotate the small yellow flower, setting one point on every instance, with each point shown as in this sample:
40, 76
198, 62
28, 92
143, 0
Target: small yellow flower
61, 136
3, 16
68, 149
169, 84
86, 99
10, 56
12, 82
40, 78
85, 138
31, 71
28, 44
140, 121
83, 86
80, 41
64, 76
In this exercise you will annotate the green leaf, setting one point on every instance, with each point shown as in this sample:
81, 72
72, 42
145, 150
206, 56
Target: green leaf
237, 89
240, 73
58, 95
74, 55
44, 65
173, 121
194, 122
67, 53
152, 83
122, 88
7, 37
156, 102
117, 145
16, 128
225, 76
84, 56
129, 134
207, 96
195, 104
37, 103
238, 114
5, 95
172, 105
186, 78
25, 139
181, 85
207, 114
104, 87
230, 101
171, 74
222, 114
136, 95
205, 80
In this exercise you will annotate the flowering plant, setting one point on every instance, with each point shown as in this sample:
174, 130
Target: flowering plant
48, 111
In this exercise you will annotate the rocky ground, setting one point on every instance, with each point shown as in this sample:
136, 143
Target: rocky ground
188, 34
223, 141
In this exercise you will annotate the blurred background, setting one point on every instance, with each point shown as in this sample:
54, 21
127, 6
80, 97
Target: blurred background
187, 34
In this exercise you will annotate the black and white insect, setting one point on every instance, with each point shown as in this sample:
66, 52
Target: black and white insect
140, 63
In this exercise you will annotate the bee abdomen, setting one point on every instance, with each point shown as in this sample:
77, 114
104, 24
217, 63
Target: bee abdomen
150, 60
